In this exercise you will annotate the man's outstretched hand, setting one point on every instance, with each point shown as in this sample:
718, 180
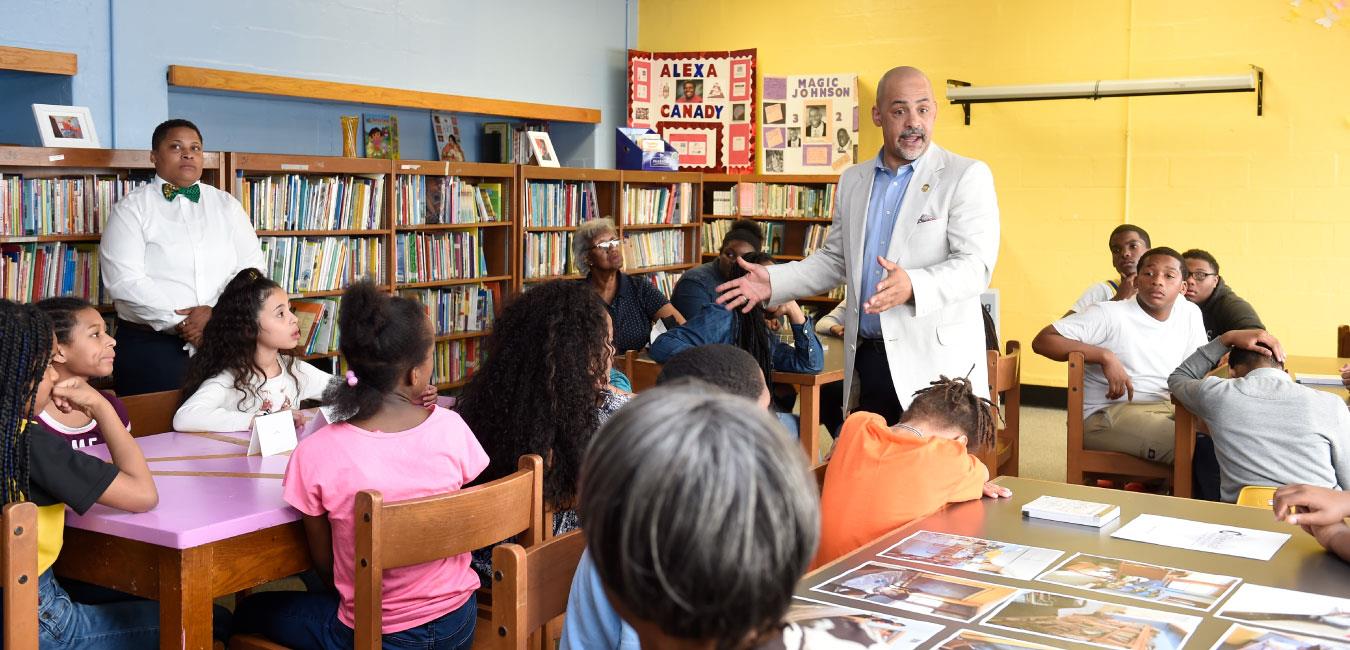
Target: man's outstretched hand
749, 290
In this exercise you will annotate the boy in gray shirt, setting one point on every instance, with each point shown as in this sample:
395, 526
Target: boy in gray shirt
1267, 429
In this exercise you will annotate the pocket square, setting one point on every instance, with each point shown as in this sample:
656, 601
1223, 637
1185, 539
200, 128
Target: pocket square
926, 218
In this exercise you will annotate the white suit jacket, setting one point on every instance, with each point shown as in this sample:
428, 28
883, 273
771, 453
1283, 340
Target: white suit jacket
946, 237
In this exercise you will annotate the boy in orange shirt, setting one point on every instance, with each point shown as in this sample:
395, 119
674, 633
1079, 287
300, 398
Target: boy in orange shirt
880, 478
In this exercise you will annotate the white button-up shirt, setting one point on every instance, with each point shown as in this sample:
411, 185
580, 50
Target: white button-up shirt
157, 256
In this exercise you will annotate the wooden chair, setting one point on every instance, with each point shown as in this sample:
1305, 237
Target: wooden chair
404, 533
19, 575
819, 472
1343, 341
151, 413
1005, 382
531, 587
1082, 462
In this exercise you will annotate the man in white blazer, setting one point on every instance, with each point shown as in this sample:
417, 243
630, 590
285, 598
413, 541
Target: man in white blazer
915, 236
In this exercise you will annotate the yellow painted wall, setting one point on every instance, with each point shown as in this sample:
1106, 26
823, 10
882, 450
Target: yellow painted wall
1267, 195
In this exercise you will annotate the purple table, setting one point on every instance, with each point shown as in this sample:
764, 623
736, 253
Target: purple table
221, 526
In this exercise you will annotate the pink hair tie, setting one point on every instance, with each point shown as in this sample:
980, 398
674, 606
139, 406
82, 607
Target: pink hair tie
351, 378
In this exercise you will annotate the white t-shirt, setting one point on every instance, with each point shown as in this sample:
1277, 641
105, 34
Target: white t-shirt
216, 406
1149, 349
1100, 292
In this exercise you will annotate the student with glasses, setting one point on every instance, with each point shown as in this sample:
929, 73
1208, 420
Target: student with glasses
633, 302
1222, 309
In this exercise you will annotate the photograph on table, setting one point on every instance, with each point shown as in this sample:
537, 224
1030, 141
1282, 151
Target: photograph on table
868, 629
1294, 611
1093, 622
1141, 581
973, 554
972, 640
912, 590
1242, 637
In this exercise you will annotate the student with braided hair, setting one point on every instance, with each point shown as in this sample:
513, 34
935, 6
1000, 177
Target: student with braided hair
881, 477
39, 466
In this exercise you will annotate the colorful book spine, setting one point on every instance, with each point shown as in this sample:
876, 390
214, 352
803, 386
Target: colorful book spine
31, 272
548, 254
432, 257
59, 206
555, 204
816, 234
714, 230
308, 202
456, 360
423, 200
306, 264
672, 204
664, 281
648, 249
783, 201
454, 310
325, 337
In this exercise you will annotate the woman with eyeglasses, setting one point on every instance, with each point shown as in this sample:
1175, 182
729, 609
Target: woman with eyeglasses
633, 303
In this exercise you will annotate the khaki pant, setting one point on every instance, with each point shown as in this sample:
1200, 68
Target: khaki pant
1143, 430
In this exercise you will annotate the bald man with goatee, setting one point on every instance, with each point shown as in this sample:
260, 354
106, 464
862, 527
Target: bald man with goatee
915, 236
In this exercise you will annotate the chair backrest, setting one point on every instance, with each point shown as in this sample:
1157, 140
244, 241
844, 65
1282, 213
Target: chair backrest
1343, 341
819, 472
530, 586
1075, 418
1005, 381
404, 533
19, 575
1256, 496
645, 372
151, 413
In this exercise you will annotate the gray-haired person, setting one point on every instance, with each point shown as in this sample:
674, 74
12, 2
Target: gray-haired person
633, 302
700, 518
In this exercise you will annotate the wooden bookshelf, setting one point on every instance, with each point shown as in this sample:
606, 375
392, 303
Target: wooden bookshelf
608, 196
87, 167
681, 223
495, 236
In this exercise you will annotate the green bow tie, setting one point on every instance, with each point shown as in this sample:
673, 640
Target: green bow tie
192, 192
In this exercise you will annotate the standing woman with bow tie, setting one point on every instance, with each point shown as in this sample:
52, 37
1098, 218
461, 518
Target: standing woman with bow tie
167, 251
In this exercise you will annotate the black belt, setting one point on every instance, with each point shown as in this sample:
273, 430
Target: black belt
874, 344
136, 326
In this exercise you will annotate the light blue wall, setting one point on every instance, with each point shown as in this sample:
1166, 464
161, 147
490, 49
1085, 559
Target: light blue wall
568, 52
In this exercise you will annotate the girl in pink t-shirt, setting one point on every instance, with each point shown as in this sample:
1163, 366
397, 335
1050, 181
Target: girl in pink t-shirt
382, 439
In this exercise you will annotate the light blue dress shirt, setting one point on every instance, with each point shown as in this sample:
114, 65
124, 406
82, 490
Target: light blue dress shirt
591, 622
888, 194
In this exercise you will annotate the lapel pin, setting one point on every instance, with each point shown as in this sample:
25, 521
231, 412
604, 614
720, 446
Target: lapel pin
924, 188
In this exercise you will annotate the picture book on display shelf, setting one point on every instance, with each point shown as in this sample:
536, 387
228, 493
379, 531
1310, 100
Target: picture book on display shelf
810, 123
702, 103
380, 133
445, 129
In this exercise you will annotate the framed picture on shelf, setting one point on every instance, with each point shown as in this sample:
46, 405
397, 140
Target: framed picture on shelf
542, 149
65, 126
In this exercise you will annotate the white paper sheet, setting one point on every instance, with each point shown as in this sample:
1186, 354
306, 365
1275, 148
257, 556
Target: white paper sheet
1201, 536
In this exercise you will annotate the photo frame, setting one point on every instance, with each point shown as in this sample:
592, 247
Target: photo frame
65, 126
541, 148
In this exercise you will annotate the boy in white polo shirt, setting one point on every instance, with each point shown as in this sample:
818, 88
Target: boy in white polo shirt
1131, 346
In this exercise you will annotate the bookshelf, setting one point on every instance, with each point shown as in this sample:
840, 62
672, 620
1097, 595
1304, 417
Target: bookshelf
554, 201
794, 210
660, 220
322, 222
454, 251
54, 204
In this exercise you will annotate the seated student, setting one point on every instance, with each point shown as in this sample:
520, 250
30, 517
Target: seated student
383, 438
543, 389
881, 477
1131, 346
1222, 309
697, 288
84, 350
728, 564
750, 332
591, 621
244, 367
633, 303
1128, 243
1320, 511
1267, 429
39, 466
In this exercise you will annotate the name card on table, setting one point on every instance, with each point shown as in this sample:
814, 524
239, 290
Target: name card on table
272, 434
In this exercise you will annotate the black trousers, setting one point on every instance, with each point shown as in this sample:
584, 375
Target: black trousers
147, 361
876, 391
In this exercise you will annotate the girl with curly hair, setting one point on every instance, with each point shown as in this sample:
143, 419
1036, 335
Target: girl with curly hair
245, 367
542, 388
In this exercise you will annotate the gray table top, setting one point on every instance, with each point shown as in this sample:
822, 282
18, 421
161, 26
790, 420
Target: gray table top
1300, 564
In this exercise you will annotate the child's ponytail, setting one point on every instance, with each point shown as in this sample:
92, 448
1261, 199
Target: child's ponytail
383, 337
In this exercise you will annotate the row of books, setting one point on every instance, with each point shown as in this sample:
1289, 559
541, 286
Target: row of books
553, 204
673, 204
659, 248
774, 200
308, 202
714, 231
547, 254
421, 200
773, 237
60, 206
664, 281
466, 308
433, 257
322, 263
507, 143
31, 272
456, 360
318, 324
816, 234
